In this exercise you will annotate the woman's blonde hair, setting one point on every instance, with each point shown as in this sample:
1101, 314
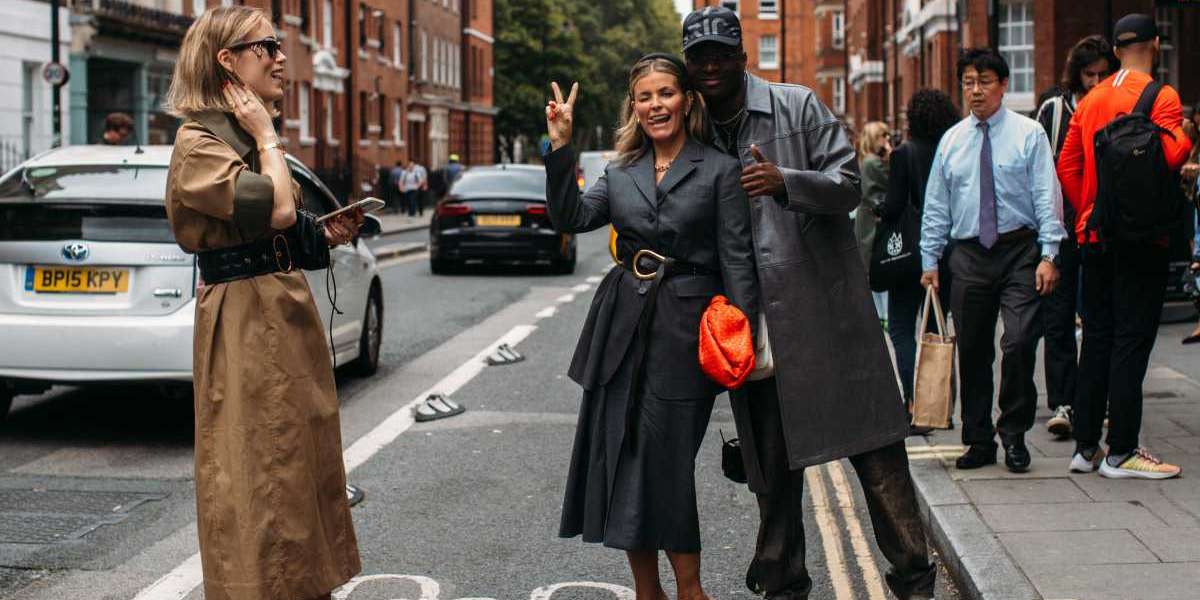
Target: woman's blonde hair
631, 139
871, 138
198, 77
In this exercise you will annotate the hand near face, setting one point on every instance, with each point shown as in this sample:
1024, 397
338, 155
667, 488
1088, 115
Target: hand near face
560, 117
250, 112
762, 178
342, 228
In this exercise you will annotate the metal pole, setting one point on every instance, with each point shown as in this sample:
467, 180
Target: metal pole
56, 111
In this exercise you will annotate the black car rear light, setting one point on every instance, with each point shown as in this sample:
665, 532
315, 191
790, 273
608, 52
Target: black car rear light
535, 210
453, 210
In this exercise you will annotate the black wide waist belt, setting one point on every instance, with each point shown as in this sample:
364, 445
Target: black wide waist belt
270, 255
1007, 237
646, 264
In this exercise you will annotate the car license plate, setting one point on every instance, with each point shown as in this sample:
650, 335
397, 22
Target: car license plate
498, 220
77, 280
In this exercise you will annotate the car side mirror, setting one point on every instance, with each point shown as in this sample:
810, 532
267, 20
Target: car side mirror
371, 227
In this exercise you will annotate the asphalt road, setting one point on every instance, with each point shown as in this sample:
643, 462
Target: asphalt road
463, 508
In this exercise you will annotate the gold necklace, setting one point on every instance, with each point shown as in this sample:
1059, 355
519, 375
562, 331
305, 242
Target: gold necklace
663, 167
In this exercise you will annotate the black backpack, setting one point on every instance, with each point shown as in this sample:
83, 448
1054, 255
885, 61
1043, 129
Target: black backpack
1137, 197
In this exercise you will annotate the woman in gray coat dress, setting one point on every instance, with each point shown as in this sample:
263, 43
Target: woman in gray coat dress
683, 225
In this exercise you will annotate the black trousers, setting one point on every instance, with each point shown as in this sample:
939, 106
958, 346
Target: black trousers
991, 283
778, 568
1124, 286
1060, 354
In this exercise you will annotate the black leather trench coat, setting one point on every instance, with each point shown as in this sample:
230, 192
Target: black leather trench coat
837, 389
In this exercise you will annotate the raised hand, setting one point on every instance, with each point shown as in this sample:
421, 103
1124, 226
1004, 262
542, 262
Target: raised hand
560, 118
250, 112
762, 178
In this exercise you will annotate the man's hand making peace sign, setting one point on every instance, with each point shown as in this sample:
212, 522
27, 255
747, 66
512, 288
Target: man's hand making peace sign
559, 116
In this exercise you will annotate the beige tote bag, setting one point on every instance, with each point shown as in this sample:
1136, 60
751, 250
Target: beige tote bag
933, 389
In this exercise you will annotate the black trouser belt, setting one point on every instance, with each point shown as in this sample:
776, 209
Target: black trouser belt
1004, 238
270, 255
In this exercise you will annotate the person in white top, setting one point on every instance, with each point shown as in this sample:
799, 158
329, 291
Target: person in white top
413, 182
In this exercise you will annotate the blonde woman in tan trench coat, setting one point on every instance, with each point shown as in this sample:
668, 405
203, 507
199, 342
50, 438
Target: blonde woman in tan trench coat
273, 517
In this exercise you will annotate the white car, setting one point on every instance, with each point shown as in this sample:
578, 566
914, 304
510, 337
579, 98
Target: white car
93, 287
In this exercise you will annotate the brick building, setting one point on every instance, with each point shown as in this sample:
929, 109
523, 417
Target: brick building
865, 58
478, 145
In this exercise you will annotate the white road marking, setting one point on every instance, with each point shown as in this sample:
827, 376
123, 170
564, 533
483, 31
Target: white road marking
184, 578
431, 589
831, 539
565, 298
399, 260
595, 279
583, 287
862, 552
547, 312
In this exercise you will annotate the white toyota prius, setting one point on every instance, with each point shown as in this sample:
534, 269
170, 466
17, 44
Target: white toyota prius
94, 289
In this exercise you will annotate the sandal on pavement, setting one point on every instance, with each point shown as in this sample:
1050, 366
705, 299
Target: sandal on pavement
437, 406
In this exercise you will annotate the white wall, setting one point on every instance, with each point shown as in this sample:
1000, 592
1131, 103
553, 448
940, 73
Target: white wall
25, 38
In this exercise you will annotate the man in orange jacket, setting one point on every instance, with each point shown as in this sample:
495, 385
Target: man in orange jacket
1124, 282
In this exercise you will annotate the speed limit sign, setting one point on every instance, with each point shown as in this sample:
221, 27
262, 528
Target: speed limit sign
55, 74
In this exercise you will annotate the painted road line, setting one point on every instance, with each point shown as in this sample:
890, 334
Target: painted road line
565, 298
862, 551
583, 287
547, 312
184, 578
595, 279
831, 539
400, 260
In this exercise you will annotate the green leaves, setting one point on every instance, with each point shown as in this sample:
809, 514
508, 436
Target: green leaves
589, 41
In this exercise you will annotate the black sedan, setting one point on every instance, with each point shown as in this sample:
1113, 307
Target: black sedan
497, 214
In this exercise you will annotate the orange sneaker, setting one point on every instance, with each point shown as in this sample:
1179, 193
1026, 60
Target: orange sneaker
1139, 465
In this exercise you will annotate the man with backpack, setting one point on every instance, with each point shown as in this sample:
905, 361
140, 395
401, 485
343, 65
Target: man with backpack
1119, 169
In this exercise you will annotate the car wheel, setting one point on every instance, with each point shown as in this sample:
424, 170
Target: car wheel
371, 339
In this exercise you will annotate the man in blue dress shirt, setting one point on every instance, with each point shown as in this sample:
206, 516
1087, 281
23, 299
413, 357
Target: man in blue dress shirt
993, 207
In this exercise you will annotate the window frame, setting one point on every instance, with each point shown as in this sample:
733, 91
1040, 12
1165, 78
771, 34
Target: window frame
1021, 79
763, 63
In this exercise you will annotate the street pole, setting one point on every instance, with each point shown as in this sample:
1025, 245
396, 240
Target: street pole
56, 116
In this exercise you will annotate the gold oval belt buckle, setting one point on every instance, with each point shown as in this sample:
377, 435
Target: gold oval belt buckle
637, 259
275, 243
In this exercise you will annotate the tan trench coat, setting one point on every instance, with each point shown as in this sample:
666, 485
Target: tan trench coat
273, 517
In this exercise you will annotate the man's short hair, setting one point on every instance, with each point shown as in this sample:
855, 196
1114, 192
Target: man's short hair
118, 121
983, 59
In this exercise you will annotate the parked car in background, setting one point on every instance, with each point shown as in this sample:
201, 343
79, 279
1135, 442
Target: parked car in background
497, 214
93, 287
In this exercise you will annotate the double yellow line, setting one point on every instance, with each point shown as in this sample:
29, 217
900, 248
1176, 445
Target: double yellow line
831, 496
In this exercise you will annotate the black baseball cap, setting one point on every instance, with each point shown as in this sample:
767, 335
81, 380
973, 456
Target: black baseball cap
1134, 28
712, 24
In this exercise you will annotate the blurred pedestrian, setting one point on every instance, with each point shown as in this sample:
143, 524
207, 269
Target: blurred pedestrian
413, 183
930, 113
454, 169
118, 127
833, 393
1125, 272
993, 194
874, 148
1090, 61
646, 402
272, 512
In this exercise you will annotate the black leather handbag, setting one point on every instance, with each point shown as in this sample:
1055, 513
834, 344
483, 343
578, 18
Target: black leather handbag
307, 244
732, 464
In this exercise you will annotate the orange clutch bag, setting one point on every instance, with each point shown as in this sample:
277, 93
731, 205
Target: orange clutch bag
726, 346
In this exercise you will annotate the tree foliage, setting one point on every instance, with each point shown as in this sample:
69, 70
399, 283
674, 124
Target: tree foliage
593, 42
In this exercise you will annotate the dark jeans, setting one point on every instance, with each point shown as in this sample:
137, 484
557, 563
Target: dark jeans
778, 567
1124, 286
412, 202
1059, 351
991, 283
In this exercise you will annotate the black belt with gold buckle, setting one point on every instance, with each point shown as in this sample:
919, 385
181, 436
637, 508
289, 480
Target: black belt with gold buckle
262, 257
654, 262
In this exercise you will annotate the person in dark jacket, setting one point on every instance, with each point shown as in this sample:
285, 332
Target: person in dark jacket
833, 393
930, 113
683, 227
1090, 61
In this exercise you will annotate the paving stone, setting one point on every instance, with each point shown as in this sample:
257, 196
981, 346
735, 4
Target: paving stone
1170, 512
1109, 490
1050, 448
1189, 444
1171, 544
1079, 516
1169, 581
1017, 491
1075, 547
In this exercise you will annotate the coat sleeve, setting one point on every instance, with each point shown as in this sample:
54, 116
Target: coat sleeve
212, 179
874, 183
571, 212
896, 199
830, 182
735, 244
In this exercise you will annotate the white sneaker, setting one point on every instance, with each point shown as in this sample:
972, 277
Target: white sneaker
1060, 424
1139, 465
1082, 464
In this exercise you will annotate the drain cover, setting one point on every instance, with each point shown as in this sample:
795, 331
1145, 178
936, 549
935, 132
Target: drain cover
51, 516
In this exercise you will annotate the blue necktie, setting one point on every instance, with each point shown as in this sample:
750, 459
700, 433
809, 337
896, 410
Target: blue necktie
987, 192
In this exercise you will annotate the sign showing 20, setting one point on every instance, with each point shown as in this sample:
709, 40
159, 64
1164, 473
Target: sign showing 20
431, 590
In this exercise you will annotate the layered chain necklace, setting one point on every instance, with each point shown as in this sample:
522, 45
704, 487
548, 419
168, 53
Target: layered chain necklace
729, 127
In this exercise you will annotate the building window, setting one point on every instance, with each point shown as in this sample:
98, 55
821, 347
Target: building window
839, 95
198, 7
364, 111
328, 116
768, 52
1168, 58
306, 19
838, 28
767, 9
397, 39
396, 121
383, 112
424, 55
381, 32
362, 25
731, 5
327, 23
276, 11
1016, 43
305, 115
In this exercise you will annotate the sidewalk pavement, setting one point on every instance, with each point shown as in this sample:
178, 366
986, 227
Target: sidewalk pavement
1049, 534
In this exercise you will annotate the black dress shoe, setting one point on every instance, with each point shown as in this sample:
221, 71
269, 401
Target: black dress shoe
911, 586
1016, 455
978, 455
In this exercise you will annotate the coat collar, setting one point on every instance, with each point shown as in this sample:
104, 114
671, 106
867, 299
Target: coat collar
223, 125
758, 95
642, 171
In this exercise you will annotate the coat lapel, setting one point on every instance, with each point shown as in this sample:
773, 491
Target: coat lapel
642, 173
224, 126
683, 166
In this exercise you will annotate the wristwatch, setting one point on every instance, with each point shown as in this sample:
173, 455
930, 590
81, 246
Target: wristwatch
1048, 258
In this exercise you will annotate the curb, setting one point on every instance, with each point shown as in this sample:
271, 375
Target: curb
404, 229
398, 250
967, 547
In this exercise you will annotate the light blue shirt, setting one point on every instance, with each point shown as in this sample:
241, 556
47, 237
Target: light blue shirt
1027, 190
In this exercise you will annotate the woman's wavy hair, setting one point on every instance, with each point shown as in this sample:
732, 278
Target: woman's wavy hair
631, 142
1085, 52
871, 138
198, 77
930, 113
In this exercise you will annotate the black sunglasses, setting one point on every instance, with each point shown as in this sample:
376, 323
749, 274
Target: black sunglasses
270, 44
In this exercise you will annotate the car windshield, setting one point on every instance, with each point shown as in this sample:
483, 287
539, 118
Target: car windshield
85, 202
500, 183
